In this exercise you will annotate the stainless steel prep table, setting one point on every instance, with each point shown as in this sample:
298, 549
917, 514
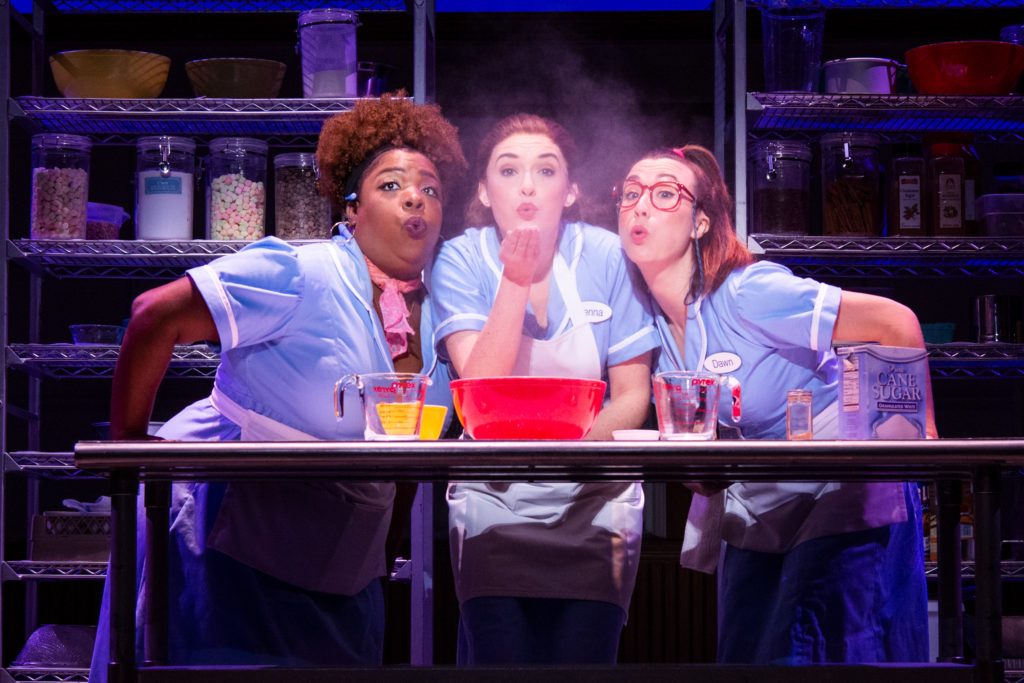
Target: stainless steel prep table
980, 461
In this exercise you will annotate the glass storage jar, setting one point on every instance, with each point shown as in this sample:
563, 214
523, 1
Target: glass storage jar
907, 194
946, 183
164, 187
60, 186
236, 192
851, 181
780, 187
300, 212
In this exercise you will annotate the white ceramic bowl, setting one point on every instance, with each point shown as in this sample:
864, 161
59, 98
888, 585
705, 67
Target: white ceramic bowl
870, 75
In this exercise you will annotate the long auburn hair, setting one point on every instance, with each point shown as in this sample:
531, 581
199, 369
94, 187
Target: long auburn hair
721, 252
478, 215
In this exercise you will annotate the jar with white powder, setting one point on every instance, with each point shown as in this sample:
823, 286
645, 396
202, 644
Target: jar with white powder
236, 192
60, 186
164, 186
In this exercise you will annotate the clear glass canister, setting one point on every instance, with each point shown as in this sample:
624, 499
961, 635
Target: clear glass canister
60, 186
300, 212
780, 187
851, 181
327, 45
164, 187
236, 191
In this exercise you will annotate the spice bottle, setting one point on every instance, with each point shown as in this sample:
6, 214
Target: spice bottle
300, 212
851, 185
946, 189
799, 415
164, 187
60, 186
906, 194
236, 192
780, 187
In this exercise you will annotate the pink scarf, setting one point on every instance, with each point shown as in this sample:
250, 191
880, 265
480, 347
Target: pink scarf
393, 311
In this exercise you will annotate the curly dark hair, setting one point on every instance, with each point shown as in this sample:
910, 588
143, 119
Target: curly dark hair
348, 139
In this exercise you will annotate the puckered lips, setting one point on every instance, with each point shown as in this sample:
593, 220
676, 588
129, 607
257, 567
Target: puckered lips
416, 227
638, 233
526, 211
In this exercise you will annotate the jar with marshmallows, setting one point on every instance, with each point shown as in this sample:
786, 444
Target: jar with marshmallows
236, 189
60, 186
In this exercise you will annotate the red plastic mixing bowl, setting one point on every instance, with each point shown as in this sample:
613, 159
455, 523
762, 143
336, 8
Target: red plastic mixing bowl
966, 67
527, 407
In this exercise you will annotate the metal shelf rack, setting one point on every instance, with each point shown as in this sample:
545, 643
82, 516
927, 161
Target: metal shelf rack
894, 257
893, 117
62, 361
280, 122
288, 122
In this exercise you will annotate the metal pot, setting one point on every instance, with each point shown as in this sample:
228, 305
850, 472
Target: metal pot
874, 75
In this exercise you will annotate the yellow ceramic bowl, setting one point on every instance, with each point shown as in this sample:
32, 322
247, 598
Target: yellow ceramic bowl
237, 77
110, 74
432, 422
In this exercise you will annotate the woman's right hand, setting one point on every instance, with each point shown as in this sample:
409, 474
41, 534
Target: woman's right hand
520, 254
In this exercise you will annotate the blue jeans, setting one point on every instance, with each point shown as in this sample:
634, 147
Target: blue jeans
538, 631
858, 597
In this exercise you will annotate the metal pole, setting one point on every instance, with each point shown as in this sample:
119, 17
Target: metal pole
988, 604
121, 575
951, 621
421, 637
158, 501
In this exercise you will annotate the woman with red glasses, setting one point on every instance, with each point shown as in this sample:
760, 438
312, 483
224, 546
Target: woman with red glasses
810, 571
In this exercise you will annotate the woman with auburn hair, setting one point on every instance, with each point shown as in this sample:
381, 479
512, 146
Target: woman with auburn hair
810, 571
543, 571
288, 573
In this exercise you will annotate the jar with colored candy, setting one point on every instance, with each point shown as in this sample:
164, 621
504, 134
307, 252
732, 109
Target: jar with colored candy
236, 189
60, 186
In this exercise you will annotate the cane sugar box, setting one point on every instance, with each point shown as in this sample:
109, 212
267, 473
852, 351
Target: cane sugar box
884, 392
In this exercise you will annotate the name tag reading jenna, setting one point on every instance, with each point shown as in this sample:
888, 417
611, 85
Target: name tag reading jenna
595, 311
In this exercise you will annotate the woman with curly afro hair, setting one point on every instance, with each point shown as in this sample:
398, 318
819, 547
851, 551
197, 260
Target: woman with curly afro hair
287, 573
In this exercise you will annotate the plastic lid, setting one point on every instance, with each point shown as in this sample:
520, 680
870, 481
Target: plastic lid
855, 139
327, 15
107, 213
946, 149
781, 149
295, 159
61, 140
177, 144
238, 145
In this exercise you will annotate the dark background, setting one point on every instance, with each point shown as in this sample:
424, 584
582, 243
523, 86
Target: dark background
621, 82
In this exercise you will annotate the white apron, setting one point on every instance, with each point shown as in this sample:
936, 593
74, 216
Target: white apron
549, 540
319, 535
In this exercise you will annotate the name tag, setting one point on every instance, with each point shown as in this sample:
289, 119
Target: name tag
722, 362
595, 311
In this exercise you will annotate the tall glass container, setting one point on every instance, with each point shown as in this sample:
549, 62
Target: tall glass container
851, 177
164, 187
300, 212
60, 186
327, 45
780, 187
236, 191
